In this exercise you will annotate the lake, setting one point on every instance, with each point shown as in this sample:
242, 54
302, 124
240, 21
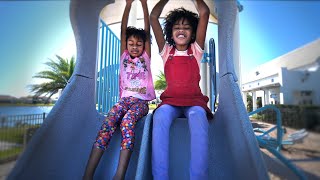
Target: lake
24, 110
30, 115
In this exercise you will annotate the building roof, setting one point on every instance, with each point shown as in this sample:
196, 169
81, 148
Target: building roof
301, 59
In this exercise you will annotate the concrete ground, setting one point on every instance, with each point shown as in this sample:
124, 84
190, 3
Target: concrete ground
304, 154
5, 169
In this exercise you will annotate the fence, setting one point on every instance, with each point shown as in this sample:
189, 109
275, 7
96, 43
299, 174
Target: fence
15, 132
107, 91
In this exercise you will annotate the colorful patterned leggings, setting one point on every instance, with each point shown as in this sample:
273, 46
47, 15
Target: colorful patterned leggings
125, 113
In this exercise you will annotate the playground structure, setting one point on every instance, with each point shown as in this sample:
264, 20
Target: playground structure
61, 147
274, 145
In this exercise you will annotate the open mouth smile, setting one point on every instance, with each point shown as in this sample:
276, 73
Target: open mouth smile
181, 36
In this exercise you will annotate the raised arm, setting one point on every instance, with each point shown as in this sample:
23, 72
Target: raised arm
124, 24
147, 45
204, 13
155, 24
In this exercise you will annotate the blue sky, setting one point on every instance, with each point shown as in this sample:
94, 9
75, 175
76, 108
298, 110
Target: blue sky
269, 29
33, 31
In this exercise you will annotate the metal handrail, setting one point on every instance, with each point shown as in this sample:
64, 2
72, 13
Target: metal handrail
276, 152
107, 91
213, 74
278, 126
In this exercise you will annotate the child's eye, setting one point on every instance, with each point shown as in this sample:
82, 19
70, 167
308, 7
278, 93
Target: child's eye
186, 27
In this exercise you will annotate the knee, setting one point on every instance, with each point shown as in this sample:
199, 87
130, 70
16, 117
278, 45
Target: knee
198, 121
127, 124
197, 112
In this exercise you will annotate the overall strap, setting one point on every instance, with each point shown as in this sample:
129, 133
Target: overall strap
171, 53
189, 52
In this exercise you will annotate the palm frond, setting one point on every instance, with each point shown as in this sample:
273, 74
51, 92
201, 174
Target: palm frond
58, 73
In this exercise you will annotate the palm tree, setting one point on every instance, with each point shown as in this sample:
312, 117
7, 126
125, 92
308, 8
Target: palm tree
58, 75
161, 82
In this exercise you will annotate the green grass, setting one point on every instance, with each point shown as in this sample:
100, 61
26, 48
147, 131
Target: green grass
10, 154
14, 134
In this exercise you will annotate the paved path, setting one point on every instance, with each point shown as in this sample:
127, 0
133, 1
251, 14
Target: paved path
5, 169
305, 155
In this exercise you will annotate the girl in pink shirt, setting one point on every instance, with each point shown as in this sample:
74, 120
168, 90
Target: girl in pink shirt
136, 89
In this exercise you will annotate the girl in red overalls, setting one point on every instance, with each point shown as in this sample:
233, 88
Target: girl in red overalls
181, 47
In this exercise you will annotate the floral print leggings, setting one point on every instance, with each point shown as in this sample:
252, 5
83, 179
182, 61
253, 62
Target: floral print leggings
125, 113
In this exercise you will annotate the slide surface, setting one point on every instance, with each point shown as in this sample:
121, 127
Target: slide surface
61, 146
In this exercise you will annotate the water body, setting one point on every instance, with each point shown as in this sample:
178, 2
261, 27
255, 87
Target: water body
24, 110
18, 116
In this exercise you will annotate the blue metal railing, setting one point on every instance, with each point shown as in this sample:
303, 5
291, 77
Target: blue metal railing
107, 91
275, 146
278, 127
213, 74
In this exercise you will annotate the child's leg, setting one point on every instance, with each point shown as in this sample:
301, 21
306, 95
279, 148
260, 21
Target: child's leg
198, 125
138, 109
103, 138
95, 156
162, 120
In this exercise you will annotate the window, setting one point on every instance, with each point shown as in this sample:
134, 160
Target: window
306, 93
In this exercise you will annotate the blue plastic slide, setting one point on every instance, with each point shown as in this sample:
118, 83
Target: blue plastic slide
60, 148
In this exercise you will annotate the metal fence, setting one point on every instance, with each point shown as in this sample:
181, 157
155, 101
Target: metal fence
15, 132
107, 91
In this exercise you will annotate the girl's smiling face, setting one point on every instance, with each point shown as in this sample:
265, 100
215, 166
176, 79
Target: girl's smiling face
135, 46
182, 34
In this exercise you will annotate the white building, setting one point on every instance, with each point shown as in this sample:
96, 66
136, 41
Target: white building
293, 78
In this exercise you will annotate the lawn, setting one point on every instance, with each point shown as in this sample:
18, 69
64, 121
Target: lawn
14, 135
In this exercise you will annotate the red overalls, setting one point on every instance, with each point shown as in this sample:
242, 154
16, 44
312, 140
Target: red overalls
183, 76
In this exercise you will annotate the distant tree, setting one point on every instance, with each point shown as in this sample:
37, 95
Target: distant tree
58, 74
160, 83
249, 103
259, 102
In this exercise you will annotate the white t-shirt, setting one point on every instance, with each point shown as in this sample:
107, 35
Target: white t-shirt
196, 50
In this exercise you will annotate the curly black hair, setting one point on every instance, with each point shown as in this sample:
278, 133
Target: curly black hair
176, 15
136, 32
